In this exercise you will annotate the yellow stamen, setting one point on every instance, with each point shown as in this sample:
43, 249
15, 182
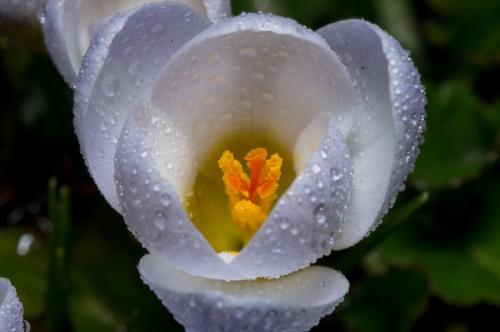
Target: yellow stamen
251, 198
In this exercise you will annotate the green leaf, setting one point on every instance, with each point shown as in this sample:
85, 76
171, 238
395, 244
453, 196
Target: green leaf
385, 303
455, 246
454, 148
455, 275
107, 292
485, 242
347, 259
59, 211
473, 29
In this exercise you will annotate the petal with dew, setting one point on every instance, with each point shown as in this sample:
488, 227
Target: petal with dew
117, 71
69, 25
218, 10
187, 116
11, 309
150, 204
307, 220
388, 124
293, 303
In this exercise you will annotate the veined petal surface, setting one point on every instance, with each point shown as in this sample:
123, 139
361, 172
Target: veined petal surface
11, 309
388, 124
69, 25
118, 70
293, 303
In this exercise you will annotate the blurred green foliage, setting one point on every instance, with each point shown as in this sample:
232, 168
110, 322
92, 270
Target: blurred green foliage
436, 269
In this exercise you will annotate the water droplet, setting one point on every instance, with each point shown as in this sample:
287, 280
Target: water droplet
246, 104
320, 214
166, 200
213, 58
247, 52
336, 175
323, 154
284, 55
160, 221
132, 68
267, 97
257, 77
316, 168
110, 86
157, 28
284, 224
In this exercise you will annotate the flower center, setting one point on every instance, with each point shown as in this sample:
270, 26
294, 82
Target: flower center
227, 203
250, 198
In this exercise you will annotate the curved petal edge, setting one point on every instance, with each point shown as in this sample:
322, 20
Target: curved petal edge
11, 309
293, 303
389, 123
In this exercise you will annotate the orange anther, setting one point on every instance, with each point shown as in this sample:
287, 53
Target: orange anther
250, 198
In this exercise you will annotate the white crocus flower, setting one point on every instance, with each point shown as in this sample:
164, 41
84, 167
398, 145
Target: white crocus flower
69, 25
11, 309
167, 102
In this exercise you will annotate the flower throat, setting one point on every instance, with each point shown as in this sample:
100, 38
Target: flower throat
228, 204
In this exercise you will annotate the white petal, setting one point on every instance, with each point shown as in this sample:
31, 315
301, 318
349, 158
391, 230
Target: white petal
300, 229
69, 25
307, 220
309, 141
117, 71
218, 10
195, 93
11, 309
388, 126
293, 303
150, 204
257, 72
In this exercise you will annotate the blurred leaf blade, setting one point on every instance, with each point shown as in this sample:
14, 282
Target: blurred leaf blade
455, 148
349, 258
391, 302
59, 212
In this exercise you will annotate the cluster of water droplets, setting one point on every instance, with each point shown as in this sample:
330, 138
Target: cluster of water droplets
294, 303
117, 73
408, 101
389, 117
11, 310
309, 217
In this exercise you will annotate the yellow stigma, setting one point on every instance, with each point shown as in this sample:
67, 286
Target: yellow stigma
251, 197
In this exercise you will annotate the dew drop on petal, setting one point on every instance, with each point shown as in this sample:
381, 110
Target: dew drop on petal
320, 214
247, 52
285, 224
166, 200
110, 86
316, 168
160, 220
133, 68
157, 28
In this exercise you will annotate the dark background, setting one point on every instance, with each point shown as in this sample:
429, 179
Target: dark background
433, 266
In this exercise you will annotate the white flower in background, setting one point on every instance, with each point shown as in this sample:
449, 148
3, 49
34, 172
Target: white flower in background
20, 11
168, 106
11, 309
69, 25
